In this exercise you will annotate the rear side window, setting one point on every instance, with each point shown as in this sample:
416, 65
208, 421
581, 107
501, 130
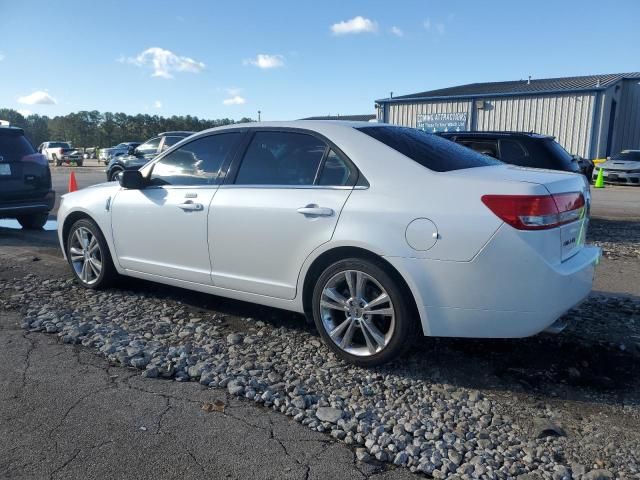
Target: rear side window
513, 152
196, 163
281, 158
430, 151
485, 147
13, 147
335, 171
547, 153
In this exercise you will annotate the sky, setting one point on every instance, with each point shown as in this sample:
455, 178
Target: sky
295, 58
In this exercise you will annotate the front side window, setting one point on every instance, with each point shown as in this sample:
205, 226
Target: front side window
429, 150
196, 163
150, 146
281, 158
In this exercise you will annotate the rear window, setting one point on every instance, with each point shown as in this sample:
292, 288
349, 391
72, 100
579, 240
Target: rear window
59, 145
558, 158
430, 151
13, 147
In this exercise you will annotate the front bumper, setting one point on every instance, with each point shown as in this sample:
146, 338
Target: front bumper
507, 291
618, 176
28, 206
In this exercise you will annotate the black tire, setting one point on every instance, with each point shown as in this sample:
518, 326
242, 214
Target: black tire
114, 171
57, 162
35, 221
79, 163
405, 322
108, 273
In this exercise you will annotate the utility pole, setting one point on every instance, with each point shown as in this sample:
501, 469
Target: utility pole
259, 112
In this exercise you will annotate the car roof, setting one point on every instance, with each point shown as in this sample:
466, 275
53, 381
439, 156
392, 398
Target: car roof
11, 130
493, 133
325, 127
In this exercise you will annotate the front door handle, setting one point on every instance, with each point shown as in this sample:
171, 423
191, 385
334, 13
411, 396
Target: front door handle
313, 210
189, 206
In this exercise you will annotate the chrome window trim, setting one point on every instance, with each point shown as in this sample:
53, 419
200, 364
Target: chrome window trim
298, 187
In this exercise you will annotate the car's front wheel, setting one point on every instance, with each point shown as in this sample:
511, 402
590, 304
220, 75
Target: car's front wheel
113, 175
35, 221
89, 257
362, 312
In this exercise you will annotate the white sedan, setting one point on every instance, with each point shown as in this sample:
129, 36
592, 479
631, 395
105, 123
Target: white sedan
375, 231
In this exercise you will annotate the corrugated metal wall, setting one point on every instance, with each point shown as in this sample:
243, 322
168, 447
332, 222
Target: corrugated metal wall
627, 124
568, 117
407, 113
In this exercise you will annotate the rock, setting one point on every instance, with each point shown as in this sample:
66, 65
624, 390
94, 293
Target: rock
234, 339
599, 474
235, 388
543, 427
328, 414
401, 458
362, 455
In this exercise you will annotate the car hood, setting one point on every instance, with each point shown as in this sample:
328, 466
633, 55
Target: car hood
621, 165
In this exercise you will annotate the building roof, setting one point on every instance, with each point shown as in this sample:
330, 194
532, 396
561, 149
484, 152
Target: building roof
521, 87
350, 118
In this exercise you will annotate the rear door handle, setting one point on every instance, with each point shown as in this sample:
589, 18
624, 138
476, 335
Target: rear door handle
313, 210
189, 206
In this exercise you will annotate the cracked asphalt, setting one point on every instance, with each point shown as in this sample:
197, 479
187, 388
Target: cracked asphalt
66, 413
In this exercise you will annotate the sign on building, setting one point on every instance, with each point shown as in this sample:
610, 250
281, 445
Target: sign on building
442, 122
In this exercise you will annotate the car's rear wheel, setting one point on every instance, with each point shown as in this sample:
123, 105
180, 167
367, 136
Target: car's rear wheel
35, 221
114, 173
89, 256
362, 313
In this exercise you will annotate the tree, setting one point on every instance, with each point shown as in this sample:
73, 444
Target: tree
92, 128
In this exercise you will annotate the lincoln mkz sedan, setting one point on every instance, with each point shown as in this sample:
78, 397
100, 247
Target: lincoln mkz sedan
375, 231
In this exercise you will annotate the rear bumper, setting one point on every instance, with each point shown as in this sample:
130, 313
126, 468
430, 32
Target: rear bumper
507, 291
27, 206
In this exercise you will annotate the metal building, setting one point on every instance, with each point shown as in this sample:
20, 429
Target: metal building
591, 116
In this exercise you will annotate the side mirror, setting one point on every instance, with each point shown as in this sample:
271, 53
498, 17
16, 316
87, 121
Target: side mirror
131, 179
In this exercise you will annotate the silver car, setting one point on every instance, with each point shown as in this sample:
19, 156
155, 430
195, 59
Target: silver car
621, 168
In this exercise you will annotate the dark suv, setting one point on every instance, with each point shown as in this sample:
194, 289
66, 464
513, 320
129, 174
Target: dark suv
25, 180
523, 149
140, 155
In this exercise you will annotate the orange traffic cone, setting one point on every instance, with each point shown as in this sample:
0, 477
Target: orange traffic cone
73, 185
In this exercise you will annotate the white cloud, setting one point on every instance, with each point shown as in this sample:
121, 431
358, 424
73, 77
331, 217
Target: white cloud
234, 100
437, 27
38, 97
397, 31
264, 60
24, 112
355, 25
164, 62
157, 104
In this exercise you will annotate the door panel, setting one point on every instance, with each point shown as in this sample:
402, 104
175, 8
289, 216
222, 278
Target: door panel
163, 231
259, 240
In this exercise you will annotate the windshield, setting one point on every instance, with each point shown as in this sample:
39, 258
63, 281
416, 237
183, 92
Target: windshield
628, 155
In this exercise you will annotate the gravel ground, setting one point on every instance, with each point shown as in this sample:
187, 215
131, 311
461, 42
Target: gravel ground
557, 407
510, 412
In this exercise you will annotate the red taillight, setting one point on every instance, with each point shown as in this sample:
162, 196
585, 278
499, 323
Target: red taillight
536, 212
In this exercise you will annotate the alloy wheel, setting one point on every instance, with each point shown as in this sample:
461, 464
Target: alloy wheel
357, 313
86, 255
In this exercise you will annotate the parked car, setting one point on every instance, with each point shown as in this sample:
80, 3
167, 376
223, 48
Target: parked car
25, 180
375, 231
140, 155
623, 167
107, 154
523, 149
61, 152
